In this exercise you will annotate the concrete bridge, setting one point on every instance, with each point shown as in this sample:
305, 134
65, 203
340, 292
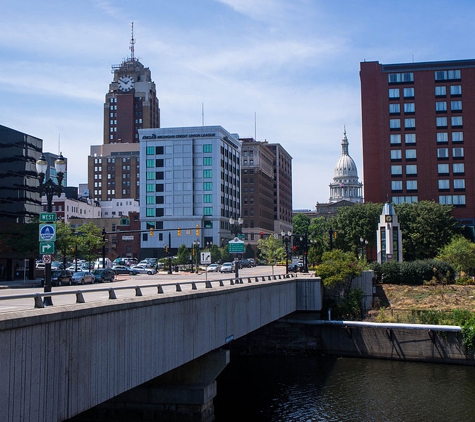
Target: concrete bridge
59, 361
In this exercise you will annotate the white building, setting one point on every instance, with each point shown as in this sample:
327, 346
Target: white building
190, 186
119, 207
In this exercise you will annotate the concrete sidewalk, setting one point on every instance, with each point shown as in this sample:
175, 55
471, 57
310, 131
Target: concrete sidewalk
19, 284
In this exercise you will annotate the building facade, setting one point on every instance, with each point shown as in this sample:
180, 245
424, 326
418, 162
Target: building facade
417, 123
192, 187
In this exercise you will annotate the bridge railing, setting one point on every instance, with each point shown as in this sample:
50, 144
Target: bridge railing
180, 286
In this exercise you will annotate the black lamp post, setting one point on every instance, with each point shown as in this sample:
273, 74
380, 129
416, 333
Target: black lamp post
49, 188
364, 244
196, 246
235, 227
287, 238
104, 247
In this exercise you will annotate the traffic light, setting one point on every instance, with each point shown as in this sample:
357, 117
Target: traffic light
197, 230
151, 232
179, 231
334, 235
294, 248
166, 250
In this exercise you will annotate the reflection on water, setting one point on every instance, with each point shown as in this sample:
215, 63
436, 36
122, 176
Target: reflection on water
311, 389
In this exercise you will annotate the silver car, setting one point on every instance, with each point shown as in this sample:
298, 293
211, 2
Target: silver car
227, 267
82, 277
141, 269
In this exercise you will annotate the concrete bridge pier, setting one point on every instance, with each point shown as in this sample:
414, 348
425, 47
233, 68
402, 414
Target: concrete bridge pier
184, 394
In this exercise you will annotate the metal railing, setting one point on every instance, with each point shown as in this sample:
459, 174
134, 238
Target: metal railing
39, 298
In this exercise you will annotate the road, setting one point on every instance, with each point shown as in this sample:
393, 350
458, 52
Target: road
146, 283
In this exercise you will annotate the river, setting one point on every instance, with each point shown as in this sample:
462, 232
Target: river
308, 389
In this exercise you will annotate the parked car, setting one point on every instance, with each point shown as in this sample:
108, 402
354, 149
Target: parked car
102, 275
60, 278
227, 267
252, 262
82, 277
146, 263
244, 263
141, 269
122, 269
212, 268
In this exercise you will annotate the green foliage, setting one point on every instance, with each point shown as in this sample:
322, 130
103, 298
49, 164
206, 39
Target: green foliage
338, 267
19, 240
89, 238
414, 273
215, 253
425, 226
300, 223
350, 306
271, 249
183, 255
318, 238
249, 253
468, 335
460, 253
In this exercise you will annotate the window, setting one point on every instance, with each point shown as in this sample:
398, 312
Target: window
150, 187
394, 93
208, 198
444, 75
150, 200
396, 170
395, 139
394, 108
441, 106
150, 212
410, 138
150, 151
159, 150
456, 90
207, 148
396, 154
150, 163
457, 136
459, 183
441, 121
443, 168
408, 92
452, 199
411, 169
208, 211
411, 184
456, 121
442, 137
396, 185
440, 91
457, 152
150, 175
442, 153
458, 168
456, 105
207, 174
409, 108
397, 78
394, 123
409, 123
207, 161
443, 184
411, 154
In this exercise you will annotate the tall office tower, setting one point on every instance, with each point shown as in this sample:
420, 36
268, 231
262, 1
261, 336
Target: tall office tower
282, 188
346, 185
257, 189
131, 104
191, 187
418, 128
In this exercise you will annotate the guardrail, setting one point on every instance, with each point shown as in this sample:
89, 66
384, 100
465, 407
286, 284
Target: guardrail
39, 301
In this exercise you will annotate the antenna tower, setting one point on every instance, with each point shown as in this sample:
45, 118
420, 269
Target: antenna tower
132, 42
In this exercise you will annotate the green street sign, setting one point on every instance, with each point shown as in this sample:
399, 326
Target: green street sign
47, 217
236, 246
46, 248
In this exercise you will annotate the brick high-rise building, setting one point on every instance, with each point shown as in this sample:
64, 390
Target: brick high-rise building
418, 126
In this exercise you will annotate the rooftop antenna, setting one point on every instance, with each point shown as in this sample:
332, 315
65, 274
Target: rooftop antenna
132, 42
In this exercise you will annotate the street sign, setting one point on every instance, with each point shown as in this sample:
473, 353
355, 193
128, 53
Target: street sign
47, 259
46, 217
46, 248
206, 257
236, 246
47, 232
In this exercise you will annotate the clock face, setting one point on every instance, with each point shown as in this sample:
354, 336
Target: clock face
126, 83
389, 218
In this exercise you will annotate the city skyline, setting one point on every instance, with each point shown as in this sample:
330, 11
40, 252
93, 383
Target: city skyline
285, 72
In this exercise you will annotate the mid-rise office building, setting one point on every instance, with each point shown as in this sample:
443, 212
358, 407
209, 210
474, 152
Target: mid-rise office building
191, 187
418, 126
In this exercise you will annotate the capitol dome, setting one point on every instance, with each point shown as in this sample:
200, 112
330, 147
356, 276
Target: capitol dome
346, 184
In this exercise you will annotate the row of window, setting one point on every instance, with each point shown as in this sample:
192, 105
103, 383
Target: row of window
443, 184
410, 138
440, 91
442, 153
457, 200
440, 107
440, 122
439, 75
411, 169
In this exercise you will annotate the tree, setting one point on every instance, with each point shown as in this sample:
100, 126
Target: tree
65, 242
215, 253
183, 255
300, 223
426, 226
338, 267
90, 241
318, 238
272, 250
460, 253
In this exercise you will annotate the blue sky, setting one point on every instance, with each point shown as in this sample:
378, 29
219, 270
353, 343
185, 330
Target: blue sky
290, 66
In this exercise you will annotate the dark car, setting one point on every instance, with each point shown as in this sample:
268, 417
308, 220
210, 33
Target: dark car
122, 269
60, 278
102, 275
244, 263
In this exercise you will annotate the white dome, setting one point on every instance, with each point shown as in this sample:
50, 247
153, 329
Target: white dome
345, 167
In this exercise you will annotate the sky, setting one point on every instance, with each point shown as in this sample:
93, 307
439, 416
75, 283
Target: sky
285, 71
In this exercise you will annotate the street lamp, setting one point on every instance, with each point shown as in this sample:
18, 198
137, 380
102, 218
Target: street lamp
235, 227
363, 247
196, 247
287, 237
49, 188
103, 247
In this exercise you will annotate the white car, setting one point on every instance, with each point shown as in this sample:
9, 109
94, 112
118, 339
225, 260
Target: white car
227, 267
212, 268
141, 269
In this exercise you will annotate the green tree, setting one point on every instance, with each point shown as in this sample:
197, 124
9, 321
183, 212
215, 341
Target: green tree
89, 241
215, 253
460, 253
272, 250
318, 238
359, 221
426, 227
338, 267
65, 241
183, 255
300, 223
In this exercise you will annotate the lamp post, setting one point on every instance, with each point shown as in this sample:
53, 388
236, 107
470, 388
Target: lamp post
49, 188
235, 227
103, 247
196, 246
286, 237
364, 244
